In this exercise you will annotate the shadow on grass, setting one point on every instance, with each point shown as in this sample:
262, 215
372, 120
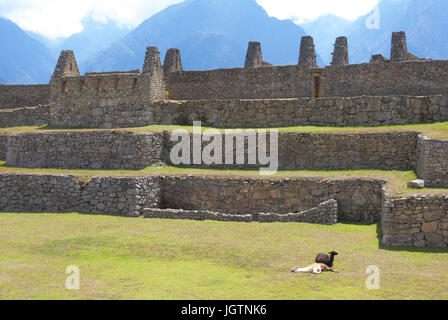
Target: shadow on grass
357, 223
70, 212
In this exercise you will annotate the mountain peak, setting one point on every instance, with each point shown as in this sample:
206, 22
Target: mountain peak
22, 58
210, 34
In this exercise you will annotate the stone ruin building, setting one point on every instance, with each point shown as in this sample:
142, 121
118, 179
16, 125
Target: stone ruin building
397, 91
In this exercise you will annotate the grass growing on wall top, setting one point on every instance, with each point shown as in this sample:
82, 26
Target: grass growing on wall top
125, 258
433, 130
397, 179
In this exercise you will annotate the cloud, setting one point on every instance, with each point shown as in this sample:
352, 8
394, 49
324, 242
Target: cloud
56, 18
306, 10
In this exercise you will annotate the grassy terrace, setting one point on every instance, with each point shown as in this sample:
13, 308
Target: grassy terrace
123, 258
397, 180
434, 130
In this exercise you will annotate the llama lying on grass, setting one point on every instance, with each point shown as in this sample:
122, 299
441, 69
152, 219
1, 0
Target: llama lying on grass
326, 259
315, 268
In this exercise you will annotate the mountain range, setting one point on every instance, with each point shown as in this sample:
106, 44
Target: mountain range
424, 21
214, 34
22, 58
209, 33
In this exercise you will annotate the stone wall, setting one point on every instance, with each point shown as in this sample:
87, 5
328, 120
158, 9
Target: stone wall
378, 79
416, 221
432, 164
358, 199
59, 193
126, 150
27, 116
362, 111
3, 147
348, 151
239, 83
418, 78
339, 111
104, 115
157, 213
85, 150
304, 151
325, 213
75, 98
24, 96
100, 100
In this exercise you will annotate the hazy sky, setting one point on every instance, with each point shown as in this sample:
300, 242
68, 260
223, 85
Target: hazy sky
56, 18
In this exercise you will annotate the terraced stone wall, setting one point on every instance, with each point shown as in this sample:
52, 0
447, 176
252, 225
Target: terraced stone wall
405, 78
85, 150
415, 221
126, 150
358, 200
3, 146
15, 96
62, 193
364, 111
304, 151
432, 164
26, 116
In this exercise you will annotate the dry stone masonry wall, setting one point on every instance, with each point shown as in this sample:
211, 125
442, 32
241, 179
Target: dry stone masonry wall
85, 150
304, 151
370, 79
104, 115
432, 165
339, 111
325, 213
15, 96
26, 116
358, 199
3, 147
416, 221
157, 213
126, 150
59, 193
75, 99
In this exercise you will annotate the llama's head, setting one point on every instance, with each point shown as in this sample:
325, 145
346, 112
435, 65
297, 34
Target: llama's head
333, 253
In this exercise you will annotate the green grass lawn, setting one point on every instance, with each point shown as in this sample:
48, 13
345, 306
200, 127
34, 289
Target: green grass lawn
123, 258
433, 130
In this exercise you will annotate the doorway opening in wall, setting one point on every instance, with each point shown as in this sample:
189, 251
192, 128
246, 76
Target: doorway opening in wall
316, 87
